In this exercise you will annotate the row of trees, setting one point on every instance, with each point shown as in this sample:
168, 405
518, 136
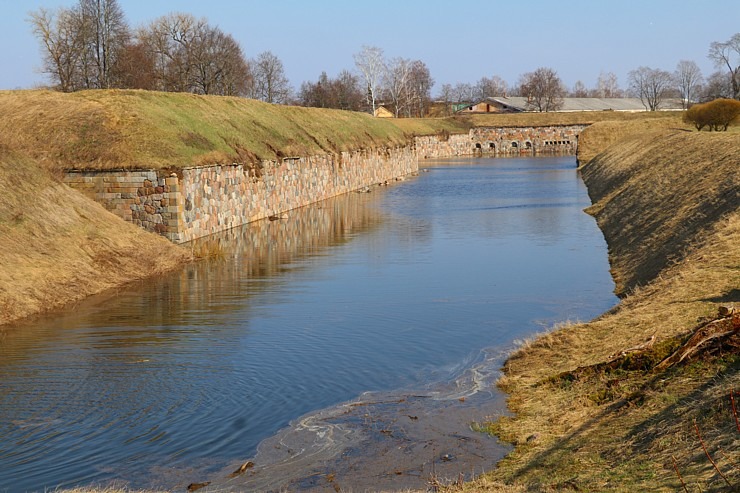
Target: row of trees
91, 46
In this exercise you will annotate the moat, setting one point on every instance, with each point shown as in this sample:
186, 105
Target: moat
402, 301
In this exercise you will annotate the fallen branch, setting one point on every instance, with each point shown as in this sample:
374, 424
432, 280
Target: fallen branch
721, 327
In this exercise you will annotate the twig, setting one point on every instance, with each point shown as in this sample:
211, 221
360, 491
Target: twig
675, 468
703, 445
734, 409
732, 464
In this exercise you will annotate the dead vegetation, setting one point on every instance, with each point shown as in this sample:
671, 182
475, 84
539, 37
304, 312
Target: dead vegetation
641, 398
59, 247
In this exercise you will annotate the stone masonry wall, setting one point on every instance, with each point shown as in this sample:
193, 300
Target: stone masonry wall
437, 146
556, 139
196, 202
141, 197
216, 198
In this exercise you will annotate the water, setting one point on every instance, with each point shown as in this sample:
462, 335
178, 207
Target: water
368, 321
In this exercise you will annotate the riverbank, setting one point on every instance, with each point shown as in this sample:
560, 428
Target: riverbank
58, 247
593, 411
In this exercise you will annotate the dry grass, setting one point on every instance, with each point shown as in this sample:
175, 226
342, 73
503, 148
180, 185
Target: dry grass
654, 203
596, 430
140, 129
58, 247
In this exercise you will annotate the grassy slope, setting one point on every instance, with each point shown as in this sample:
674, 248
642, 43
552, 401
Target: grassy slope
599, 429
104, 129
57, 246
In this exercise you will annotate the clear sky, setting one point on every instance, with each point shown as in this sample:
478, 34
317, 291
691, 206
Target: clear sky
460, 41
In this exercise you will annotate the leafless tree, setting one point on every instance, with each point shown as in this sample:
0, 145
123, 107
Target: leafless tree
134, 68
607, 86
171, 41
106, 33
652, 86
717, 86
688, 80
420, 86
446, 96
61, 36
371, 65
727, 54
347, 91
543, 89
189, 55
270, 83
579, 90
489, 87
395, 83
344, 92
463, 93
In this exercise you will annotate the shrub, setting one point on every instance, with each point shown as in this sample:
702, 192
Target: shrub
716, 115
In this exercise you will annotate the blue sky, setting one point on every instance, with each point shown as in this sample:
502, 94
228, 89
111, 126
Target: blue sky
459, 41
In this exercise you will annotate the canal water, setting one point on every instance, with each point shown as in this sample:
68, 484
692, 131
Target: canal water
352, 345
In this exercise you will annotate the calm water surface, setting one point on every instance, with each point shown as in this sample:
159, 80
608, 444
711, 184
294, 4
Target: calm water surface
414, 290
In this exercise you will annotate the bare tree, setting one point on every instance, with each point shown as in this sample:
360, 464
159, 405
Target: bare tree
446, 96
543, 89
607, 86
395, 83
717, 86
219, 66
420, 87
463, 93
171, 41
270, 83
63, 44
369, 62
579, 90
188, 55
688, 81
106, 34
652, 86
134, 68
490, 87
727, 54
344, 92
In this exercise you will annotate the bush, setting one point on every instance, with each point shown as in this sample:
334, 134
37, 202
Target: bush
716, 115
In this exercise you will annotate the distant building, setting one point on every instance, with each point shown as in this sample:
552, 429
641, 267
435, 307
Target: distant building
383, 112
516, 104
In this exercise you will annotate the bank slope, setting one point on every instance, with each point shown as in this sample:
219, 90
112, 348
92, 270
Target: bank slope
144, 129
58, 247
590, 413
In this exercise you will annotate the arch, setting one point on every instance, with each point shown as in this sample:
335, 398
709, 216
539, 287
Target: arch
528, 145
515, 145
478, 145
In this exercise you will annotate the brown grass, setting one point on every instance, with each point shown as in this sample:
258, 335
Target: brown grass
621, 430
58, 247
141, 129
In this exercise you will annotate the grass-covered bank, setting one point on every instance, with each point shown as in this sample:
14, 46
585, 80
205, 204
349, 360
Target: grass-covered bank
591, 410
143, 129
58, 247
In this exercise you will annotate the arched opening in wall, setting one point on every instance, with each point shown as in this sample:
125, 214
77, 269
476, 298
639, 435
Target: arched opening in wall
528, 145
478, 146
491, 147
515, 145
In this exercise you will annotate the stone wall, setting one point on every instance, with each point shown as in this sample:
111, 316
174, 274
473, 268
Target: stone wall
200, 201
197, 202
141, 197
441, 146
216, 198
555, 139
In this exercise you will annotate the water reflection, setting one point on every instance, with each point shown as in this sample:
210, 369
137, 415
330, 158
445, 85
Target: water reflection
171, 380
